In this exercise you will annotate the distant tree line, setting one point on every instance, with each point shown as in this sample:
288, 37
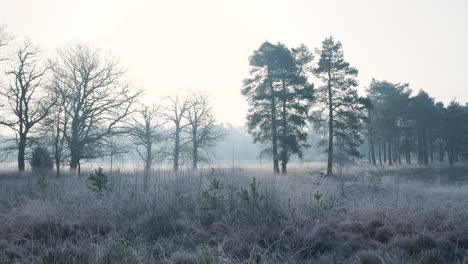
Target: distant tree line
283, 100
78, 103
403, 126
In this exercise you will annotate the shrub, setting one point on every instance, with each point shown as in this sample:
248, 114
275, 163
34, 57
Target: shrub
384, 234
373, 225
252, 197
41, 159
98, 180
213, 196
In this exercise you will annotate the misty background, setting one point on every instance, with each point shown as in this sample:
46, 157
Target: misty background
205, 45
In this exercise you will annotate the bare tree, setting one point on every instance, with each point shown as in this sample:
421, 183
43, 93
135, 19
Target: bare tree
204, 133
175, 113
146, 131
96, 99
27, 102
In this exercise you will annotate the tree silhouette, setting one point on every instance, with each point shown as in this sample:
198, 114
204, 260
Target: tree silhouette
26, 97
279, 96
97, 99
340, 108
203, 131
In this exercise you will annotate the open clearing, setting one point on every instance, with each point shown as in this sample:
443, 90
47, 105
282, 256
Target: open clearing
386, 215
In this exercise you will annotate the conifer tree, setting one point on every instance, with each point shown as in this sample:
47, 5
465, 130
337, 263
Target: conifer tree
340, 109
279, 95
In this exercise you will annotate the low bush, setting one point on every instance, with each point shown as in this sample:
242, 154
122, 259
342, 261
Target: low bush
98, 181
41, 159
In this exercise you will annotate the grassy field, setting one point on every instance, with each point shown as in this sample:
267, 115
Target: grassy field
239, 215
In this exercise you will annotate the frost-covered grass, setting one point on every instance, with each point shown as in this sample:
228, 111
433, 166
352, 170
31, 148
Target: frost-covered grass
392, 215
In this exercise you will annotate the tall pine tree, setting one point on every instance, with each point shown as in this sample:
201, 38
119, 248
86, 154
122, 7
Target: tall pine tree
341, 110
279, 95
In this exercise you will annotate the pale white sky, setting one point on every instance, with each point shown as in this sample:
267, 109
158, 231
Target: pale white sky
205, 44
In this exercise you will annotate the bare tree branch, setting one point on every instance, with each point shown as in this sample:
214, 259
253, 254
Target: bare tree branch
96, 98
26, 97
202, 128
146, 131
174, 113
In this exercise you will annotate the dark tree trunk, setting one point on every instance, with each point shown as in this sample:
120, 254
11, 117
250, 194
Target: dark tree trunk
21, 152
450, 156
384, 151
274, 136
75, 155
57, 151
369, 155
406, 150
371, 141
441, 151
57, 166
380, 152
390, 151
419, 149
74, 161
284, 144
425, 149
75, 149
147, 169
432, 152
195, 149
195, 156
330, 128
175, 164
57, 157
399, 150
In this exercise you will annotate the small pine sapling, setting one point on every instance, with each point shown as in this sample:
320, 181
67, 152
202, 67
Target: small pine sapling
252, 198
213, 196
98, 180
